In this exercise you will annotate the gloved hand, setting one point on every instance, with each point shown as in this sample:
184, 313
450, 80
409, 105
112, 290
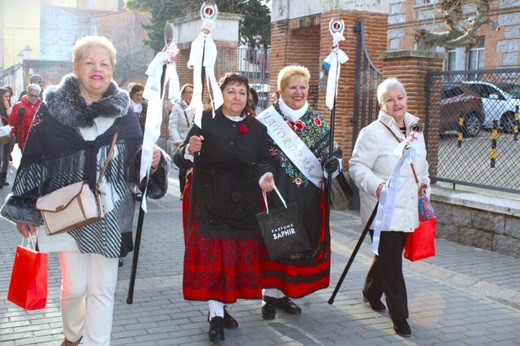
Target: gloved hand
331, 165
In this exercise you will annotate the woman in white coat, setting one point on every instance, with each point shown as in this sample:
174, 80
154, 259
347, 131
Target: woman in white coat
180, 123
372, 163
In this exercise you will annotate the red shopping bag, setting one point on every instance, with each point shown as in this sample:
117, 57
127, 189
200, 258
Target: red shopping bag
28, 285
421, 243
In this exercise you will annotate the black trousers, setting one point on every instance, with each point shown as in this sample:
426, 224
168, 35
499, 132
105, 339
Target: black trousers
386, 274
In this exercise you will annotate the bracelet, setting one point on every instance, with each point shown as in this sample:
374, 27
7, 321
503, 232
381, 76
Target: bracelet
154, 169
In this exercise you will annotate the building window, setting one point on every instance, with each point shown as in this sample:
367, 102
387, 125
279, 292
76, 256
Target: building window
452, 60
476, 55
426, 2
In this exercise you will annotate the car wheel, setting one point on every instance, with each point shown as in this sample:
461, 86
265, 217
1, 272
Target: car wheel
472, 125
508, 122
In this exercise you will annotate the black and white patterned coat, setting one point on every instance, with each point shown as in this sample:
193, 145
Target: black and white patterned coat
68, 142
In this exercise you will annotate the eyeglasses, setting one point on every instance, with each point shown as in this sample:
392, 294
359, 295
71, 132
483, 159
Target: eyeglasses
34, 96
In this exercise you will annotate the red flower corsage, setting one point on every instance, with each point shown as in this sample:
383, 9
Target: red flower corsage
317, 121
242, 129
300, 124
291, 125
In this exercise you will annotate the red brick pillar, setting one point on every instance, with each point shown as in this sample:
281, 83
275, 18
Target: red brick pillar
375, 26
411, 68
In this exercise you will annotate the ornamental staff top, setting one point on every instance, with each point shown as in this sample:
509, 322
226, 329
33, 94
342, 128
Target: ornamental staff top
203, 56
335, 59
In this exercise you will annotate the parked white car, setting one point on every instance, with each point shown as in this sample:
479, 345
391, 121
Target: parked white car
498, 104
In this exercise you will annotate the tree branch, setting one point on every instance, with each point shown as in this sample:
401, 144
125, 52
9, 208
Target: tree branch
458, 35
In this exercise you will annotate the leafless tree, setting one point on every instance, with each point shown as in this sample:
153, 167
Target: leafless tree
461, 31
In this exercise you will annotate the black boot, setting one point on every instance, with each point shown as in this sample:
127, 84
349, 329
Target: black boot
3, 180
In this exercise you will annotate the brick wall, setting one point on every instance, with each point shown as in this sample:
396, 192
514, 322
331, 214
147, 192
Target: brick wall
411, 67
307, 41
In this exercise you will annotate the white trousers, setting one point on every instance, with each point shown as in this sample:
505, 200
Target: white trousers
88, 287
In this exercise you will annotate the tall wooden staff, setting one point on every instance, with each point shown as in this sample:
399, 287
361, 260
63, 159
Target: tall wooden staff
161, 70
334, 60
203, 56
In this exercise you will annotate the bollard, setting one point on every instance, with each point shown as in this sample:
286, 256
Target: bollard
460, 135
515, 129
494, 135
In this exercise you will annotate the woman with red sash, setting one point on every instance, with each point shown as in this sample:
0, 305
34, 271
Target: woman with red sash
299, 138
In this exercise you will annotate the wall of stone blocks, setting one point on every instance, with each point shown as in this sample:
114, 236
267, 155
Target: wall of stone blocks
485, 225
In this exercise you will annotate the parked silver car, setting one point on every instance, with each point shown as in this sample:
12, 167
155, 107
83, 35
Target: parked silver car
498, 104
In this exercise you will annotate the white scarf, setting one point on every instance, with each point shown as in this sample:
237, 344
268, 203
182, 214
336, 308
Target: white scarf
137, 107
292, 114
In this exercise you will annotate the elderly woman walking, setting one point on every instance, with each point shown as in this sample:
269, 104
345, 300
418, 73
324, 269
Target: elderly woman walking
372, 163
69, 141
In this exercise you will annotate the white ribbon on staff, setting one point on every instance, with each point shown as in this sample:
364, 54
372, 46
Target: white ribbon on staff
204, 47
152, 93
406, 152
334, 59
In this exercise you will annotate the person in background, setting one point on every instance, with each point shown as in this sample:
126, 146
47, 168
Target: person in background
275, 96
304, 273
372, 163
180, 123
69, 142
5, 111
23, 113
254, 101
221, 261
13, 98
137, 103
33, 79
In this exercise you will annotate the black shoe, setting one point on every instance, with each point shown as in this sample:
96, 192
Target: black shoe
287, 305
269, 308
229, 321
375, 305
402, 328
120, 264
216, 329
3, 180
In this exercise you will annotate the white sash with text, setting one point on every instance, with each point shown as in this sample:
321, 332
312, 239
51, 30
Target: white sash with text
289, 142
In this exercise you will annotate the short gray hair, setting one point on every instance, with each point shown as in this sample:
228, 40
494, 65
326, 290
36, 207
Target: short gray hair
93, 41
386, 85
34, 87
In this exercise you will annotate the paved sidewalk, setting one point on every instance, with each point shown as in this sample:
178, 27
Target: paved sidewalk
463, 296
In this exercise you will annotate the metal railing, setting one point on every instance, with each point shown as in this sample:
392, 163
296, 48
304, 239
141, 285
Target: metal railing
253, 63
472, 128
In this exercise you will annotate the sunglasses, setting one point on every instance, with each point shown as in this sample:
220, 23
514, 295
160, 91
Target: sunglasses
34, 96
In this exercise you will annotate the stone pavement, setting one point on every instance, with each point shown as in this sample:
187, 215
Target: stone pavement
463, 296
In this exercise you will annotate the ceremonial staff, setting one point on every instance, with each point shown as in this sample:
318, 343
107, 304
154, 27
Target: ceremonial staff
203, 55
334, 60
161, 70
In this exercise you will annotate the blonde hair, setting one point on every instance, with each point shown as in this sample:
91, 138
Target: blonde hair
291, 71
386, 85
93, 41
184, 87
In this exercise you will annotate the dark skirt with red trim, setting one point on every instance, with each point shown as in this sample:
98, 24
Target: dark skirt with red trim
297, 278
218, 269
